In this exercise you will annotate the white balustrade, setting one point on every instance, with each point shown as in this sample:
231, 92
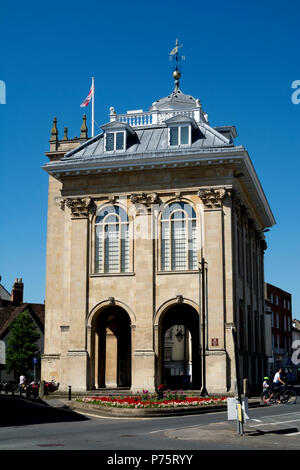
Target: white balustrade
140, 119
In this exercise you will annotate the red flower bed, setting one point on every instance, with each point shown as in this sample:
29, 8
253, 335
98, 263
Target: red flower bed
141, 402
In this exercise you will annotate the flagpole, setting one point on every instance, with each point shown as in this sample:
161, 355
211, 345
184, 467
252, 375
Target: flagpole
93, 116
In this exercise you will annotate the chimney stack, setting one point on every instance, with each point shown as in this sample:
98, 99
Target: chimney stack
17, 291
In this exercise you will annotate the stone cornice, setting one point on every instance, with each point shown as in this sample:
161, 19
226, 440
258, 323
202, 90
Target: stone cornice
237, 156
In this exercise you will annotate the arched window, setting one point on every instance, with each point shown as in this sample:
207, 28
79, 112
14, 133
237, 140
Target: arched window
112, 240
178, 237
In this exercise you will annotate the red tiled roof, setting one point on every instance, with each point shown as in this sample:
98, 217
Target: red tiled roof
9, 312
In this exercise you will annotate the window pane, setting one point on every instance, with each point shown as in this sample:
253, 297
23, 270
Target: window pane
119, 140
111, 218
184, 135
110, 140
193, 246
111, 210
179, 246
99, 249
178, 215
173, 135
125, 248
165, 246
112, 251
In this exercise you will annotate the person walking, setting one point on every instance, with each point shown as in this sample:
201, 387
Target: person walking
22, 381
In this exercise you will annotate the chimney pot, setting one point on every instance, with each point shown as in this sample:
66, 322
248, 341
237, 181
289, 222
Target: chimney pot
17, 291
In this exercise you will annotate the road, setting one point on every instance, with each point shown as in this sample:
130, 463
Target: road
27, 425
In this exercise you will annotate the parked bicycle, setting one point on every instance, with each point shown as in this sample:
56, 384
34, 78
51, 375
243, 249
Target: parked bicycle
284, 395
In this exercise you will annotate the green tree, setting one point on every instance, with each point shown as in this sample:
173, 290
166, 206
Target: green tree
22, 344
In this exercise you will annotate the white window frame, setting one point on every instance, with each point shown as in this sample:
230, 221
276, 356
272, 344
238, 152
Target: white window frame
179, 126
121, 261
190, 250
115, 132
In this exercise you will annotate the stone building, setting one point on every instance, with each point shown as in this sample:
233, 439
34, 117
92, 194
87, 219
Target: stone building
131, 213
12, 305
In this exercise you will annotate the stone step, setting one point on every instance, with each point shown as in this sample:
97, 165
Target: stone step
125, 391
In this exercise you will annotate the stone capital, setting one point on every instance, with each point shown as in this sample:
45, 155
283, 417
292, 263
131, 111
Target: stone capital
80, 207
143, 202
213, 198
145, 199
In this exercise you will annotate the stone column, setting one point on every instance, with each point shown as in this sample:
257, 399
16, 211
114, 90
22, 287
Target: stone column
77, 353
143, 357
111, 360
213, 253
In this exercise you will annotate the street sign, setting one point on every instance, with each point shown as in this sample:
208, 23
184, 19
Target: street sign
232, 408
35, 361
2, 353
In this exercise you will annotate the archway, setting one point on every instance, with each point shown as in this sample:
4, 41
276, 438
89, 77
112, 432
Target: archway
179, 347
112, 348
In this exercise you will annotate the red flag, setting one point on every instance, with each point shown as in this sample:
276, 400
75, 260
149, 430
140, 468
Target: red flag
88, 98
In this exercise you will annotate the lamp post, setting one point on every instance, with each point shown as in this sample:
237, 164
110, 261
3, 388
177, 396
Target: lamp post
203, 271
200, 351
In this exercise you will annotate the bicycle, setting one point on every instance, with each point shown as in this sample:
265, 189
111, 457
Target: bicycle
282, 396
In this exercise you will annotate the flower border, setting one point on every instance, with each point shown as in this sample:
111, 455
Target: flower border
152, 402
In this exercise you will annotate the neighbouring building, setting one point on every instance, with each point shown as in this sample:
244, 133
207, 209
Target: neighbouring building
280, 304
131, 213
11, 305
295, 330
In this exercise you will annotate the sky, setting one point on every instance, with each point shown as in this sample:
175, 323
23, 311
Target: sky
241, 61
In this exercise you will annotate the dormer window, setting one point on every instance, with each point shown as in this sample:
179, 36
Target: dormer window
117, 136
114, 141
180, 129
179, 135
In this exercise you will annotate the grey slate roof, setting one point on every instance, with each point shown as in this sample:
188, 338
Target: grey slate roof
150, 139
4, 294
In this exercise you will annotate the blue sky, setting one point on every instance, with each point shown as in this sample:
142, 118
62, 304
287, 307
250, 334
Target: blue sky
241, 60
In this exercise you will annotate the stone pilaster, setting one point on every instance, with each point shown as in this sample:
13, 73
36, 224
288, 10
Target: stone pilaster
77, 348
213, 252
143, 356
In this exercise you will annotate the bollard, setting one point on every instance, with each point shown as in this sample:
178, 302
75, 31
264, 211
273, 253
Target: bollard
42, 389
70, 398
245, 388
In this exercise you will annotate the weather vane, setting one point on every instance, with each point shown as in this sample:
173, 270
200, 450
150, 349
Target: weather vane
174, 56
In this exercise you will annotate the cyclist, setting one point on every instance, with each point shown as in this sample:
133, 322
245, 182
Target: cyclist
278, 384
266, 383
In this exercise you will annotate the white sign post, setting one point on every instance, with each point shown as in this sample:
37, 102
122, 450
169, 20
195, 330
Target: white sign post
2, 353
235, 412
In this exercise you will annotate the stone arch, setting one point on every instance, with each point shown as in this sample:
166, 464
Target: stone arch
100, 306
170, 303
174, 312
109, 329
